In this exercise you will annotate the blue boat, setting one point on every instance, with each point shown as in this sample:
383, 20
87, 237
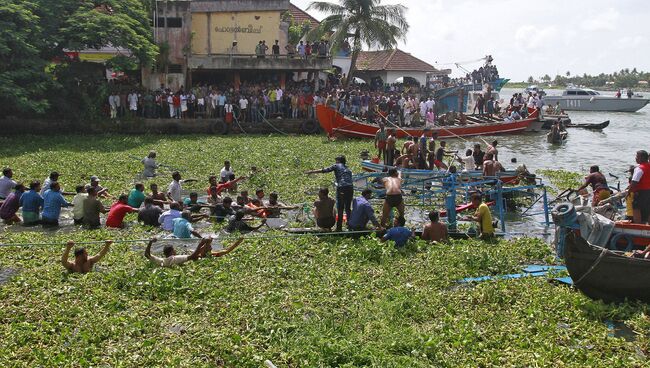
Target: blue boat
449, 99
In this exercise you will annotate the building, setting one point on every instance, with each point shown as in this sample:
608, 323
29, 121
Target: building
209, 41
391, 66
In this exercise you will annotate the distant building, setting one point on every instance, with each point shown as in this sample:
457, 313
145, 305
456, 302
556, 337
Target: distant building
215, 40
391, 66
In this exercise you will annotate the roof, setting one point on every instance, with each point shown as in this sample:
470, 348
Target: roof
299, 16
395, 59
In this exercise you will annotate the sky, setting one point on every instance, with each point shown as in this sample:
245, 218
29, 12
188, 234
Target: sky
527, 38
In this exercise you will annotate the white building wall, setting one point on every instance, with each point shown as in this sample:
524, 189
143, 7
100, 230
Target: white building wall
393, 75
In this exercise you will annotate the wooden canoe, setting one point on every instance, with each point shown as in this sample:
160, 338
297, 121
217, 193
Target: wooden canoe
598, 126
606, 275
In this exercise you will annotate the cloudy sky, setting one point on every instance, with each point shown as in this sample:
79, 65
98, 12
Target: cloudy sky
528, 37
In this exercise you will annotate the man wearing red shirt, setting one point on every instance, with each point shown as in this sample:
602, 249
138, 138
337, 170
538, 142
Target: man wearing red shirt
117, 212
215, 189
176, 101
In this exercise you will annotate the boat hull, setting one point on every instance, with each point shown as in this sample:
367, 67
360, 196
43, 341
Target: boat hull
597, 103
606, 275
508, 177
335, 123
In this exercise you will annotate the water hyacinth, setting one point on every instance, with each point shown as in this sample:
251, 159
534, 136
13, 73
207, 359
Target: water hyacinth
298, 302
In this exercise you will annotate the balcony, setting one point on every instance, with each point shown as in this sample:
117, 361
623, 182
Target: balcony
252, 62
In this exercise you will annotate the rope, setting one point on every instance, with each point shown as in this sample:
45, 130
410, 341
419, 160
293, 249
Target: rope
230, 236
271, 125
593, 266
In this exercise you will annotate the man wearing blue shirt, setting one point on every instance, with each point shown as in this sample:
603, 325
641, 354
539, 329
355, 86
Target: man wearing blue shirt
32, 202
344, 188
362, 213
53, 201
183, 227
399, 234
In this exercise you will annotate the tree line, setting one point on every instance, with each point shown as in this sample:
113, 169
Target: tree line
625, 78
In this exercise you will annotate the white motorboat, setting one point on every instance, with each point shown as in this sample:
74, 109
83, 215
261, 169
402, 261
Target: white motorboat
585, 99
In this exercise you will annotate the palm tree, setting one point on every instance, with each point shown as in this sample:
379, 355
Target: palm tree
366, 21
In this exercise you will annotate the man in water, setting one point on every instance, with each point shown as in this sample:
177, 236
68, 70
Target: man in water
136, 196
11, 204
204, 249
223, 210
362, 213
237, 223
393, 186
175, 187
159, 198
598, 184
492, 148
434, 231
92, 208
53, 201
324, 210
483, 217
467, 161
150, 214
380, 141
491, 167
118, 211
399, 234
6, 182
166, 218
183, 226
479, 156
391, 141
82, 263
150, 165
32, 202
640, 186
344, 188
441, 152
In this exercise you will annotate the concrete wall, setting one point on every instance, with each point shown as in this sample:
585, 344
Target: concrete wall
238, 5
141, 126
253, 63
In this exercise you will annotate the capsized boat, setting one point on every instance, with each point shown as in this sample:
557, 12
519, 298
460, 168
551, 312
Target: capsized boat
335, 123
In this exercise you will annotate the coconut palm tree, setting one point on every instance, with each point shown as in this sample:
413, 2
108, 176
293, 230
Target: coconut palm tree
365, 21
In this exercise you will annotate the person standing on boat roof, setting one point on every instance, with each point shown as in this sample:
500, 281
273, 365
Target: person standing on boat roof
598, 184
393, 185
344, 188
640, 186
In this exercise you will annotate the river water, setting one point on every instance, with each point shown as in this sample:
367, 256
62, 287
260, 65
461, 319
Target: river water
613, 149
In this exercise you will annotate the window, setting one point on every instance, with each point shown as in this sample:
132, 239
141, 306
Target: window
583, 93
175, 68
571, 93
160, 22
174, 22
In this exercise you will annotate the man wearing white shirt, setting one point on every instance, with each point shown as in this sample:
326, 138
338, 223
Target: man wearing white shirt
468, 161
243, 108
133, 102
227, 173
423, 108
7, 184
175, 189
170, 103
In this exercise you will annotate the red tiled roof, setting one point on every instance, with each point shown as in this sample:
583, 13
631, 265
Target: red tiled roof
299, 16
391, 60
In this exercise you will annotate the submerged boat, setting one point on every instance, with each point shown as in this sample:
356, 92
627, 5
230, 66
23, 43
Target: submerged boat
585, 99
603, 274
335, 123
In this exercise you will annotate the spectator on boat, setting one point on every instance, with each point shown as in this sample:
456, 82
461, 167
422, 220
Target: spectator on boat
483, 217
490, 106
558, 109
618, 93
82, 263
362, 212
399, 234
640, 186
344, 188
324, 210
598, 184
434, 231
630, 93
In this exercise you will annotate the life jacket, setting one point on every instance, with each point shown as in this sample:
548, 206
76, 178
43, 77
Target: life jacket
644, 183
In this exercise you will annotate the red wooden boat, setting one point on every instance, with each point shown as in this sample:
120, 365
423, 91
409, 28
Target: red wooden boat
335, 123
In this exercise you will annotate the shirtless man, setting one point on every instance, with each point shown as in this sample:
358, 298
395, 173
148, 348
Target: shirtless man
492, 148
491, 167
393, 185
413, 150
391, 141
324, 210
82, 263
434, 231
380, 141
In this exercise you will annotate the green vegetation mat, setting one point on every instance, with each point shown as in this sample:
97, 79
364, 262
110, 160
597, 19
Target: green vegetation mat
300, 302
